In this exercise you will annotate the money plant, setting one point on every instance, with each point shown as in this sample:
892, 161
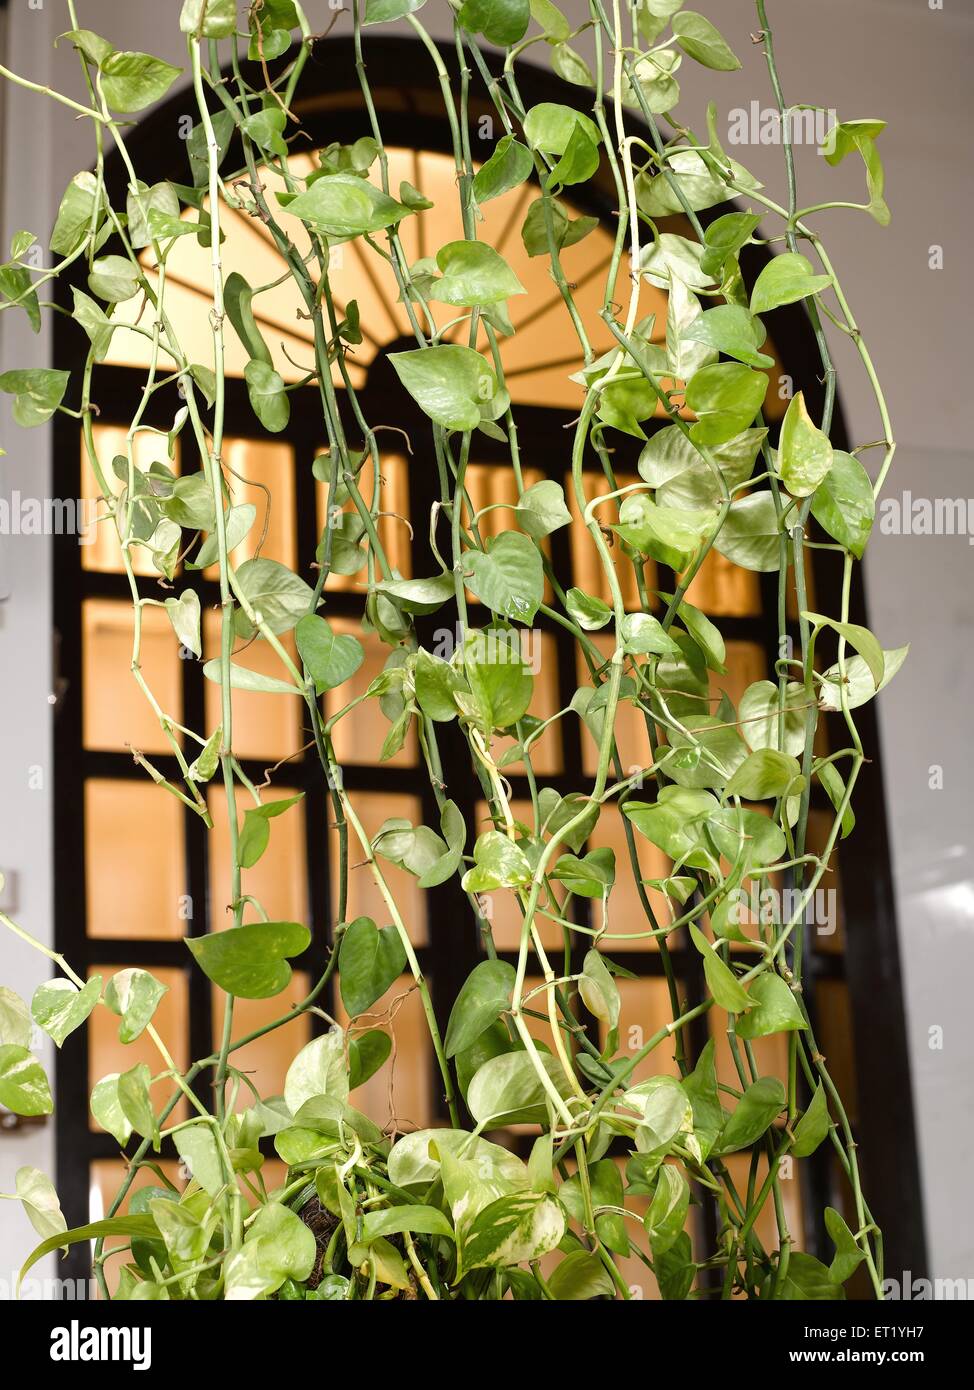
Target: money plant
617, 1170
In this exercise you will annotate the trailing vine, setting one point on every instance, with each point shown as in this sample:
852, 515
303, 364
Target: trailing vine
445, 1214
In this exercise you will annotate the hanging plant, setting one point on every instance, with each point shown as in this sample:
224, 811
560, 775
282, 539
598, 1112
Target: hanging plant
449, 1213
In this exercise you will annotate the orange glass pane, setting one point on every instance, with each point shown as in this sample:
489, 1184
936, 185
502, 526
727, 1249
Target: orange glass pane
746, 663
265, 1060
364, 896
631, 732
400, 1094
835, 1040
626, 912
102, 548
117, 714
724, 589
359, 735
766, 1226
278, 881
106, 1055
134, 838
264, 726
587, 568
261, 472
645, 1009
393, 527
826, 929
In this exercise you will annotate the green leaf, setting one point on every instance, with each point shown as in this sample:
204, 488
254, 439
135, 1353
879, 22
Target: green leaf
238, 521
366, 1054
77, 214
330, 658
848, 1256
700, 185
500, 681
59, 1006
674, 823
668, 1210
15, 1019
38, 391
214, 19
382, 11
414, 1160
580, 1276
413, 848
785, 280
509, 165
237, 297
775, 1010
268, 396
725, 238
860, 683
241, 678
859, 637
184, 614
454, 829
703, 42
672, 537
571, 66
277, 1246
134, 995
135, 1102
420, 595
224, 127
454, 385
393, 1220
95, 322
40, 1200
370, 961
196, 1146
133, 81
750, 533
502, 22
160, 199
741, 834
804, 453
24, 1087
508, 577
589, 611
813, 1126
483, 997
551, 20
435, 683
550, 127
725, 399
565, 231
343, 205
723, 984
835, 787
508, 1090
250, 961
579, 162
843, 503
318, 1070
473, 274
266, 129
279, 597
861, 136
541, 509
498, 863
765, 774
643, 634
133, 1226
758, 715
114, 279
809, 1280
732, 330
107, 1108
16, 284
763, 1100
591, 877
701, 1087
513, 1230
256, 833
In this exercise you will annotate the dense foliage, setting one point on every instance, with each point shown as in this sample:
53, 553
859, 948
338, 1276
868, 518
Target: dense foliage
617, 1167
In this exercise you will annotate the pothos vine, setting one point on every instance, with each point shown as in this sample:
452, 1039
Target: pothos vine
447, 1214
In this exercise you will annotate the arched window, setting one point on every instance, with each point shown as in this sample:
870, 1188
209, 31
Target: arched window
136, 872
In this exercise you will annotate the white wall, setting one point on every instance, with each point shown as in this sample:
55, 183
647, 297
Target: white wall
897, 59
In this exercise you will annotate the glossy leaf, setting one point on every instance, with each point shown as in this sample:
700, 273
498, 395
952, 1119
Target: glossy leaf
59, 1006
370, 961
250, 961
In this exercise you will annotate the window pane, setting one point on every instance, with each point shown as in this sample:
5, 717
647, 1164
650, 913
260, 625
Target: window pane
631, 733
746, 663
116, 712
253, 468
770, 1054
399, 1095
392, 524
724, 589
364, 897
766, 1226
103, 553
106, 1055
587, 569
626, 913
359, 735
266, 1059
135, 879
645, 1009
279, 878
264, 726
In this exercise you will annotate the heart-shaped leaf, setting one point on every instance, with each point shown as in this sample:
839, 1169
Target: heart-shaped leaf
250, 961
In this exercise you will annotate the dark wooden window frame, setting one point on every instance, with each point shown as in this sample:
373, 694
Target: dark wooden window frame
870, 962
